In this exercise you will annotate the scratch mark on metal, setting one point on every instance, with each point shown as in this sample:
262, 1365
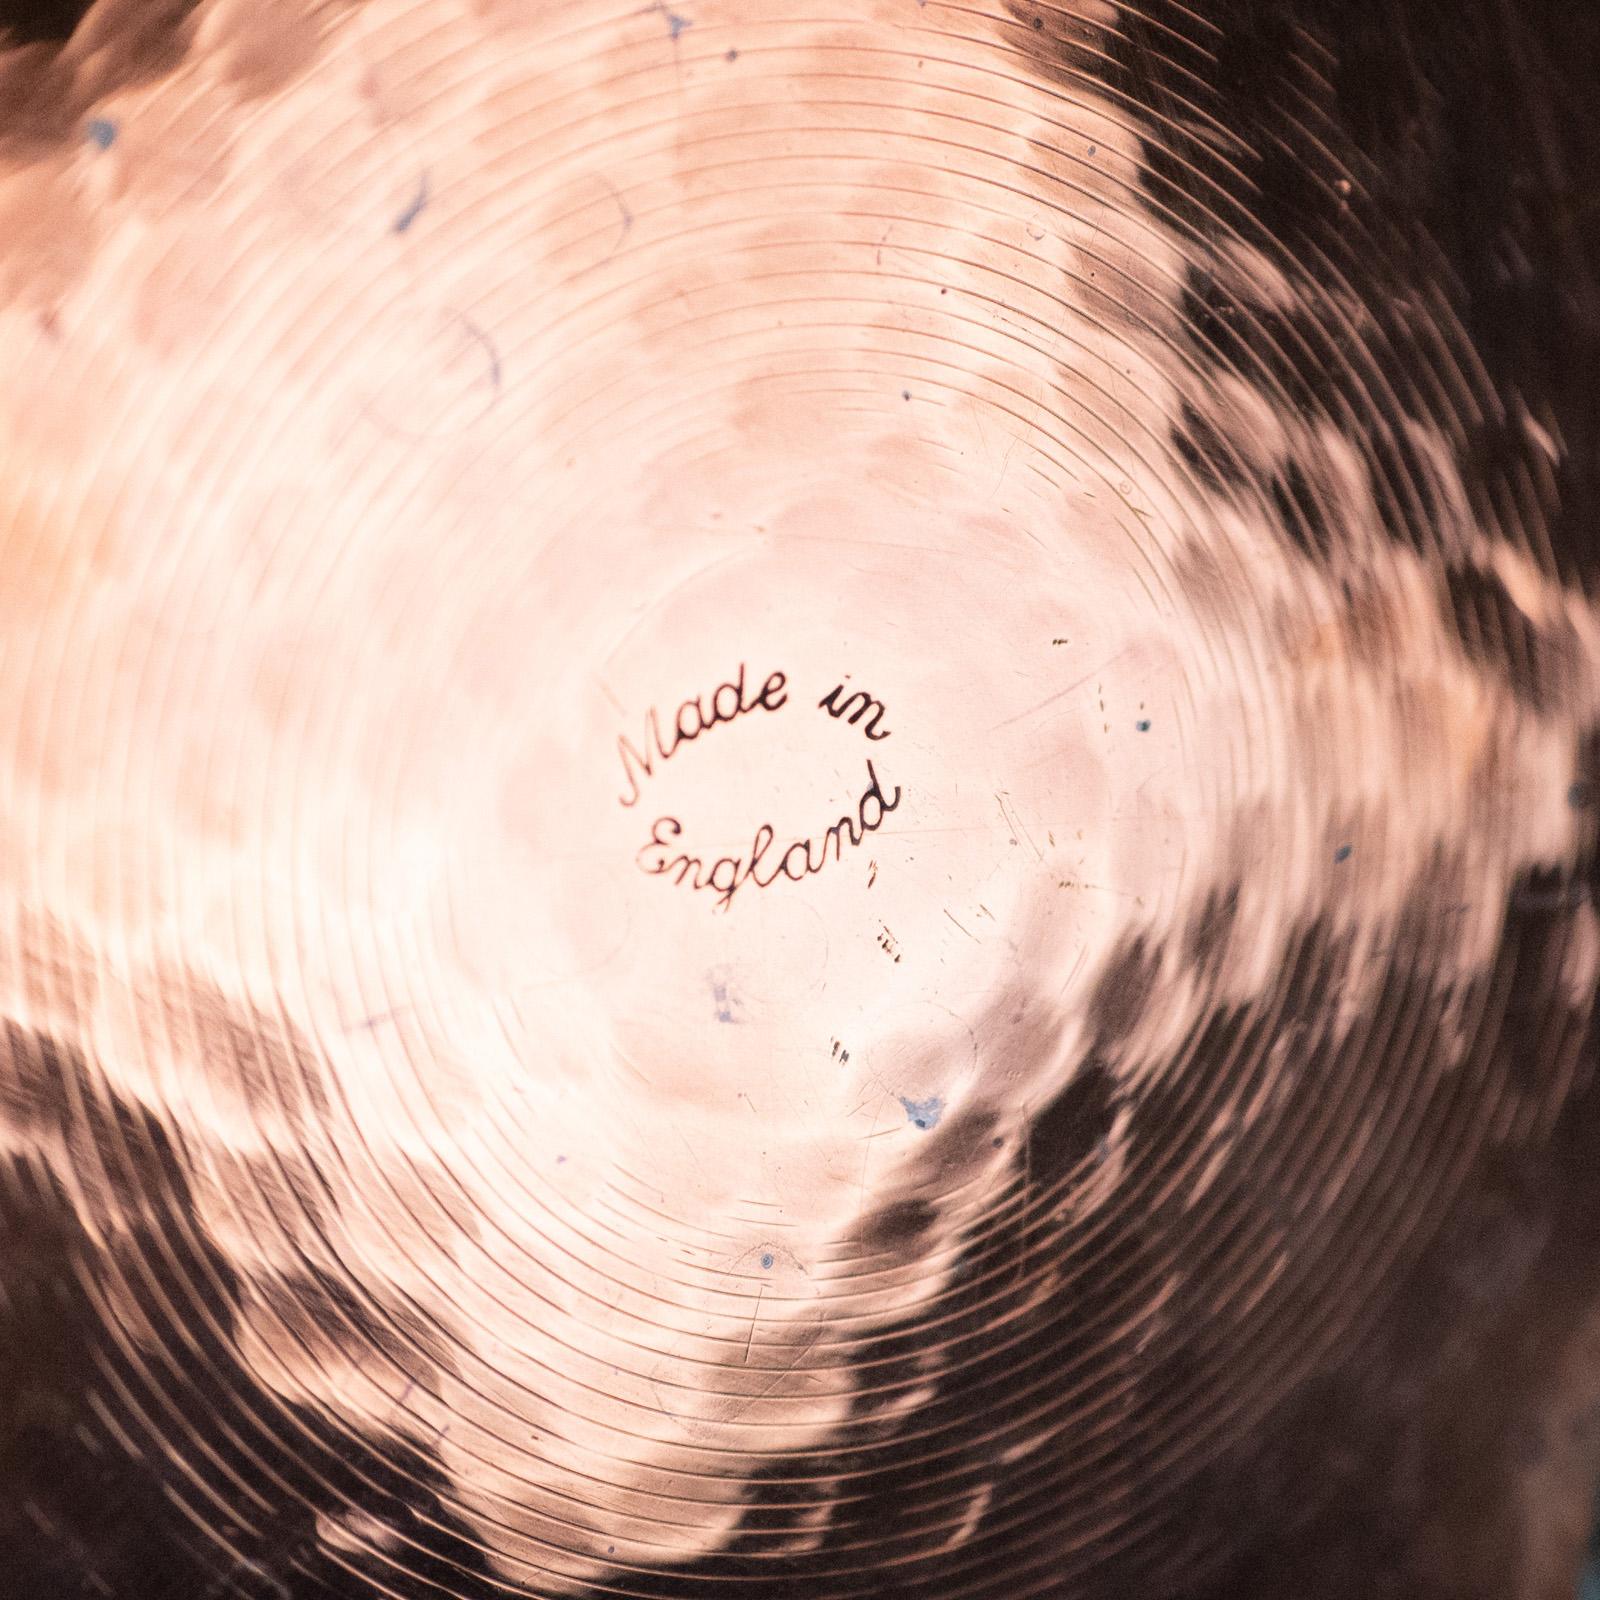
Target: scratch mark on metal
417, 205
1060, 694
761, 1290
627, 215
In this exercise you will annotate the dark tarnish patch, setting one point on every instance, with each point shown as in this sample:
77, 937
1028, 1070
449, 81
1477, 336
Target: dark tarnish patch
779, 1509
1392, 1465
69, 55
40, 21
276, 1194
1208, 935
1537, 1007
323, 1314
1585, 795
118, 1151
1369, 622
1401, 1465
1283, 353
1498, 635
152, 1474
125, 42
39, 105
1204, 581
265, 1060
1070, 1129
1367, 1459
1431, 158
1062, 47
1391, 1450
894, 1226
1300, 513
48, 89
30, 1070
1121, 993
1206, 453
1584, 792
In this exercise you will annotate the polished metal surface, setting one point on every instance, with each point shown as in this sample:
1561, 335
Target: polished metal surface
798, 800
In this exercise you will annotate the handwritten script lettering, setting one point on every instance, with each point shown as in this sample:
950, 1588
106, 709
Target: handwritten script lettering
728, 874
727, 703
854, 712
665, 856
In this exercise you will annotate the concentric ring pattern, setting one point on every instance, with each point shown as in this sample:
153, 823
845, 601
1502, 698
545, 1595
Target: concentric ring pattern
798, 801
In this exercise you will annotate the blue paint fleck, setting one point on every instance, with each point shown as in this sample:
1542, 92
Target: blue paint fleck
1343, 853
560, 1160
103, 132
1143, 724
676, 22
725, 1000
419, 204
767, 1260
923, 1114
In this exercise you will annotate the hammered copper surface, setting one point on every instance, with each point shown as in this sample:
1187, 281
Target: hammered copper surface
798, 801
